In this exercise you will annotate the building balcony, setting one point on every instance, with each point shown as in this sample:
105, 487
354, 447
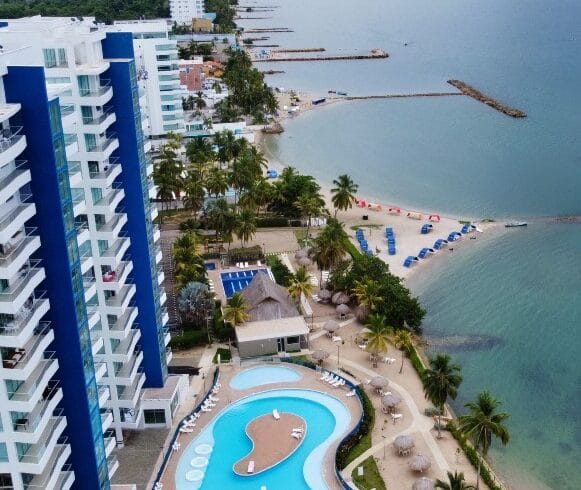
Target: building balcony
166, 336
85, 256
104, 394
109, 202
12, 222
21, 288
90, 286
129, 397
12, 144
152, 190
31, 425
16, 253
131, 418
79, 202
97, 343
106, 420
149, 164
121, 328
92, 69
97, 96
147, 145
57, 475
83, 233
113, 280
156, 233
75, 174
38, 455
71, 145
160, 276
99, 122
35, 389
164, 316
15, 180
100, 371
15, 332
112, 465
116, 305
68, 115
112, 228
105, 179
129, 372
114, 254
19, 362
103, 149
110, 445
125, 349
168, 355
8, 110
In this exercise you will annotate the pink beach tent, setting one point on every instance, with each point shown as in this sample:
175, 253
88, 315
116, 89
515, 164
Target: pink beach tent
434, 217
414, 215
394, 210
361, 203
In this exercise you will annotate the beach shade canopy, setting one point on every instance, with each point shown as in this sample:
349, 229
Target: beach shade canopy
390, 401
403, 443
331, 326
394, 210
420, 462
439, 243
340, 298
379, 382
423, 484
434, 217
343, 309
301, 254
304, 261
325, 294
320, 355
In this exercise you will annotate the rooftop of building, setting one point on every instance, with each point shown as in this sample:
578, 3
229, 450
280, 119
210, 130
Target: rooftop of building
267, 300
164, 393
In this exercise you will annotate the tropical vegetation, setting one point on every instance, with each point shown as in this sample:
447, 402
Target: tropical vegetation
377, 336
343, 194
441, 381
455, 482
236, 310
300, 284
403, 340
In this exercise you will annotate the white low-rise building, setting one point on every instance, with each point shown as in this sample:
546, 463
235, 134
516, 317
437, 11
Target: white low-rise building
183, 11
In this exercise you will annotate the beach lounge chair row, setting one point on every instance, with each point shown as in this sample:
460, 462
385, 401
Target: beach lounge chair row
242, 265
351, 393
336, 338
389, 235
388, 360
333, 380
298, 432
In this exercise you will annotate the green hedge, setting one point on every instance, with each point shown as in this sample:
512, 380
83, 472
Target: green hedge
416, 362
281, 273
190, 338
272, 222
359, 441
225, 355
352, 249
245, 254
210, 255
473, 457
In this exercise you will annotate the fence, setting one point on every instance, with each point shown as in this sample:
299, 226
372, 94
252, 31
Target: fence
177, 431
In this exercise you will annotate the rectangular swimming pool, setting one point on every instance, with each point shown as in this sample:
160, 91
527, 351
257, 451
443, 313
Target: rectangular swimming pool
237, 281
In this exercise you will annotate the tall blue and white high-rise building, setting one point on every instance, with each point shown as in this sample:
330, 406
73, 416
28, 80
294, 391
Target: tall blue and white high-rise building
82, 316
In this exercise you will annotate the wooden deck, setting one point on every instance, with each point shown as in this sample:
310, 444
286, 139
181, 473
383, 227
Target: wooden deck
272, 442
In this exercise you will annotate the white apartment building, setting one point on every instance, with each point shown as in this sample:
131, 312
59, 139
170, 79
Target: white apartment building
183, 11
156, 58
32, 450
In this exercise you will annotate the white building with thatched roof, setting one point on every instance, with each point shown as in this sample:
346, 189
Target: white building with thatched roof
275, 324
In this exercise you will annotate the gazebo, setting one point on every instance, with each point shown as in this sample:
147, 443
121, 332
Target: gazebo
388, 402
379, 382
420, 463
404, 444
331, 327
320, 355
342, 310
423, 484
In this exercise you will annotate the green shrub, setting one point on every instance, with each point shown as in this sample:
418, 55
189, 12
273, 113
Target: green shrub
245, 254
281, 273
210, 255
352, 249
190, 224
371, 477
417, 362
473, 457
300, 361
272, 222
225, 355
190, 338
360, 440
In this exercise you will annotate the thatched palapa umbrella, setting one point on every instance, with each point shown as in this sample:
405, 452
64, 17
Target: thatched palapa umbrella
404, 444
343, 310
379, 382
340, 298
420, 462
304, 261
331, 326
320, 355
423, 484
325, 294
390, 401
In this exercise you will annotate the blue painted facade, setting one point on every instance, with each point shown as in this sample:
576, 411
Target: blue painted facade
64, 283
139, 228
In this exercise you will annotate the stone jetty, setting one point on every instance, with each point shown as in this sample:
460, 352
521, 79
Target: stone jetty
267, 29
489, 101
376, 54
396, 96
300, 50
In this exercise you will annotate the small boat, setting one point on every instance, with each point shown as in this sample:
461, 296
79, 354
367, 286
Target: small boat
332, 92
515, 224
342, 93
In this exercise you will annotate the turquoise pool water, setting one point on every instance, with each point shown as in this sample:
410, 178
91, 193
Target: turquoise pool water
326, 417
262, 376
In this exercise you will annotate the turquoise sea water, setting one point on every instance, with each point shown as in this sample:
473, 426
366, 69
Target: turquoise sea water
457, 156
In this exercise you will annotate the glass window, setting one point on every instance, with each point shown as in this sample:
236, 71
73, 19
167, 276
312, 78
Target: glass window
96, 194
49, 58
154, 416
5, 480
84, 87
54, 112
62, 56
90, 142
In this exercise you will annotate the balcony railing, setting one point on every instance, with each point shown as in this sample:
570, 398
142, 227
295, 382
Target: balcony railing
67, 110
14, 289
9, 137
102, 89
108, 169
20, 357
21, 319
104, 145
14, 248
36, 452
97, 119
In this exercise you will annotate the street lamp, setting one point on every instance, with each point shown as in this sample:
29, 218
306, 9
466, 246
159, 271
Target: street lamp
338, 354
384, 438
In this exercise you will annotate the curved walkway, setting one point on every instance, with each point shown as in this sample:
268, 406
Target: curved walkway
420, 424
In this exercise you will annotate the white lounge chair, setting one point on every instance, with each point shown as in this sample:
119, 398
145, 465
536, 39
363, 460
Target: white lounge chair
336, 338
341, 382
275, 414
337, 383
332, 379
205, 409
186, 430
296, 435
251, 466
298, 429
351, 393
214, 399
396, 416
258, 263
246, 266
325, 375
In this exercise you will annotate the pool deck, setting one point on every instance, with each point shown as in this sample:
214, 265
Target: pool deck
227, 395
272, 441
216, 277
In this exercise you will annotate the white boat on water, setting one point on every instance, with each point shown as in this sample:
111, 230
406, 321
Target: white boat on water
515, 224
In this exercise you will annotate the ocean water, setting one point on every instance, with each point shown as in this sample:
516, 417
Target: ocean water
519, 291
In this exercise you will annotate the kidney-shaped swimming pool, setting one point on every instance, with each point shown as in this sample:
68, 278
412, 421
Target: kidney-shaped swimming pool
224, 441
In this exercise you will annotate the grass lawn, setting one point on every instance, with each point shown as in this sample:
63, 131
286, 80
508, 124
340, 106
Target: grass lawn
372, 226
371, 477
224, 355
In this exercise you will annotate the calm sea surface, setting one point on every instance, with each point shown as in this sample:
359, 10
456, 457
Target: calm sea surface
519, 291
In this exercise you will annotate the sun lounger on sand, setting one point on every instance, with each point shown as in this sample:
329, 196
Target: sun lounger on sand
275, 414
396, 416
336, 338
351, 393
251, 466
186, 430
296, 435
298, 429
206, 409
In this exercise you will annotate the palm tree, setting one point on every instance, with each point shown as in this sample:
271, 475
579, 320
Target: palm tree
199, 150
167, 172
195, 302
455, 482
189, 266
194, 192
330, 246
228, 147
236, 310
300, 283
218, 215
441, 382
367, 293
377, 337
403, 341
482, 423
309, 206
245, 225
216, 182
343, 194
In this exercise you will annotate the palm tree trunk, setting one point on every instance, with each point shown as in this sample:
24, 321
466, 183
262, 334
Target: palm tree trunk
440, 422
401, 367
335, 215
478, 473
